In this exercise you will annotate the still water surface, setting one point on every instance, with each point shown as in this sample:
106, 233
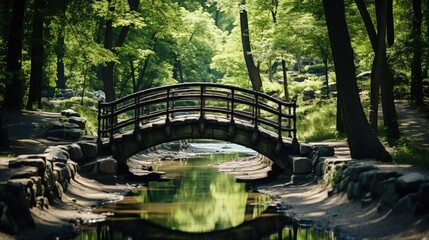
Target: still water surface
197, 202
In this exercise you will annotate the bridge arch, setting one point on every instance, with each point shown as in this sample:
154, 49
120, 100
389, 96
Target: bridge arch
198, 111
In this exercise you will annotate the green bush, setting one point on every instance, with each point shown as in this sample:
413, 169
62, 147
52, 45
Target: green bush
315, 69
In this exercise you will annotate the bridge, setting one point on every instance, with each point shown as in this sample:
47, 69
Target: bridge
198, 111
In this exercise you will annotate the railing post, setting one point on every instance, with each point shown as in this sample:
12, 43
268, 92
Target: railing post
232, 104
294, 120
289, 120
137, 113
279, 121
167, 107
202, 102
256, 110
112, 120
99, 124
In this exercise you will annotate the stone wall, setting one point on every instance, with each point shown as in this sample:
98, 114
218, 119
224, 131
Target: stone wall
363, 181
37, 180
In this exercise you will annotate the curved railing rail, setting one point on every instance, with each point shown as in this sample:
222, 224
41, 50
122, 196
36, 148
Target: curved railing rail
201, 99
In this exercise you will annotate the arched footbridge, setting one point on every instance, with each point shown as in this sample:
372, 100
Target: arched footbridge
198, 111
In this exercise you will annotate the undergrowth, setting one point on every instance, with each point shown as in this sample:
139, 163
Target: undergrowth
409, 152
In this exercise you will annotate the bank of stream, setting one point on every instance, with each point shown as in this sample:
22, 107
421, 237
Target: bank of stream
195, 201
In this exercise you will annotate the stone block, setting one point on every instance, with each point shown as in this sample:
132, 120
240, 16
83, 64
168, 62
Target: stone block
301, 165
75, 152
39, 163
325, 151
305, 149
78, 121
89, 149
389, 196
108, 165
410, 183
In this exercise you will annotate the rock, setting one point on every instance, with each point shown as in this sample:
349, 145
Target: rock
39, 163
318, 170
75, 152
66, 133
58, 190
108, 165
70, 113
406, 203
305, 149
24, 172
107, 179
7, 222
89, 149
354, 190
99, 95
410, 183
325, 151
315, 158
14, 197
332, 86
355, 171
78, 121
343, 184
55, 153
389, 196
301, 165
424, 194
308, 93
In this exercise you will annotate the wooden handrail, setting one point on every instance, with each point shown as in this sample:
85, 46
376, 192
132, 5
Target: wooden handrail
198, 98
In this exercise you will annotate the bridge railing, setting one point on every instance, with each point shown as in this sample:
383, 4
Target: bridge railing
201, 99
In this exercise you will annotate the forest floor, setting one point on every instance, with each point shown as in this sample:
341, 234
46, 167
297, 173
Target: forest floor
308, 201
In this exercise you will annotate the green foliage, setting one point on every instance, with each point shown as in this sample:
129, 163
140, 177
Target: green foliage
336, 178
407, 151
87, 109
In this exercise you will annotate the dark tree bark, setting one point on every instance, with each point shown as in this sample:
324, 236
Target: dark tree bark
416, 63
381, 75
362, 140
285, 84
13, 89
108, 69
253, 71
36, 72
61, 78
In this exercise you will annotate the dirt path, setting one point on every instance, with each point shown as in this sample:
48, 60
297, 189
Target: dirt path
26, 130
414, 125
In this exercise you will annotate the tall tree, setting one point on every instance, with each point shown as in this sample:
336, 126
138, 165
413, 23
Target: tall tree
252, 70
362, 140
382, 75
108, 68
416, 63
13, 90
36, 75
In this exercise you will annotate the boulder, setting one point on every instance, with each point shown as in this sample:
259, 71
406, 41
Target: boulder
55, 153
24, 172
7, 222
355, 171
107, 165
66, 133
325, 151
406, 203
78, 121
410, 183
305, 149
75, 152
301, 165
89, 149
354, 190
70, 113
389, 196
39, 163
308, 93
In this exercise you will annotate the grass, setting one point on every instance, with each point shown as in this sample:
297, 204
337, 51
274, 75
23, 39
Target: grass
406, 151
87, 110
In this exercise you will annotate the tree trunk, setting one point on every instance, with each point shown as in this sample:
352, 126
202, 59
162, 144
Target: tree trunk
416, 63
362, 140
36, 73
285, 84
108, 69
383, 73
253, 71
13, 88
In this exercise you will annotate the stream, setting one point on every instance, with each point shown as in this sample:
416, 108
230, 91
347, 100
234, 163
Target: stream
195, 201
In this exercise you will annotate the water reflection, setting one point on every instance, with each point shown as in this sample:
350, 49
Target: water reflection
197, 203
